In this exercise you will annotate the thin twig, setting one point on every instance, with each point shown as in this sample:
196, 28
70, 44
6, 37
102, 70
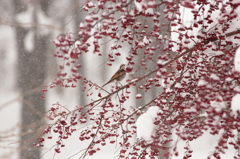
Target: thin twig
91, 144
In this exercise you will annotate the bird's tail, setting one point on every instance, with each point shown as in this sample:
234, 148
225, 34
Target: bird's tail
106, 83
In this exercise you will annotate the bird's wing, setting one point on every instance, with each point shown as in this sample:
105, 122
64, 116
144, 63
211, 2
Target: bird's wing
117, 74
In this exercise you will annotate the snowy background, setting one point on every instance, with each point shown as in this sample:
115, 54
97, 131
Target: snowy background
10, 96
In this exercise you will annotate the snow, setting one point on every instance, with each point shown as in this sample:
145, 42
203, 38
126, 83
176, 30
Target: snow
237, 89
145, 124
235, 104
161, 62
81, 25
218, 105
95, 16
149, 11
187, 20
168, 90
139, 6
228, 79
143, 6
213, 50
90, 4
237, 60
77, 43
132, 13
190, 110
151, 3
14, 109
25, 17
202, 82
214, 76
178, 85
138, 96
146, 40
9, 103
28, 41
89, 18
160, 37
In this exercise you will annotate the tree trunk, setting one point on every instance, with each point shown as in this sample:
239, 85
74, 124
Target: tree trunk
78, 18
154, 91
31, 74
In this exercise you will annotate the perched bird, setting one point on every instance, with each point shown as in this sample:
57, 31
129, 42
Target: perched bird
118, 76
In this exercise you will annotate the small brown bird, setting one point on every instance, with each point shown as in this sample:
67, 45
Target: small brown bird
118, 76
